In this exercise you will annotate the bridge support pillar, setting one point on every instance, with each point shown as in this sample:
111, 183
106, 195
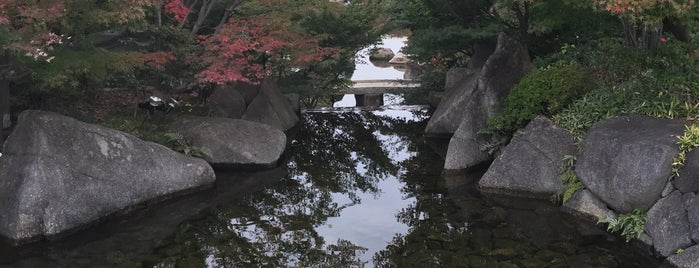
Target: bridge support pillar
368, 100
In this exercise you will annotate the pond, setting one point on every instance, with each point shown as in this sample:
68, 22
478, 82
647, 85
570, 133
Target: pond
358, 188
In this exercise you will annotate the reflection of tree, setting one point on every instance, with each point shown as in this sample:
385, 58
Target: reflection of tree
334, 154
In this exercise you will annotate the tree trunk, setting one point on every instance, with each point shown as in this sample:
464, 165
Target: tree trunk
641, 36
203, 13
680, 31
229, 11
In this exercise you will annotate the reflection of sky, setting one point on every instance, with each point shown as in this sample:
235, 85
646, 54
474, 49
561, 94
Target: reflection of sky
372, 223
367, 71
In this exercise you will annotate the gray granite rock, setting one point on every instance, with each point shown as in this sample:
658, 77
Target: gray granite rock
530, 165
233, 143
626, 161
58, 174
585, 205
667, 224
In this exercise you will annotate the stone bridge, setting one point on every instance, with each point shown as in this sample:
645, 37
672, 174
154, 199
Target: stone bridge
370, 92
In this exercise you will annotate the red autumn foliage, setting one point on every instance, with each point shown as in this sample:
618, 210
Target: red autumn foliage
177, 9
241, 50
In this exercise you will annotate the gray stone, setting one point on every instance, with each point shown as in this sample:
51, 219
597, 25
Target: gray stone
669, 188
509, 63
59, 174
626, 161
688, 259
399, 58
295, 102
413, 71
381, 54
247, 90
585, 205
434, 97
477, 93
688, 180
667, 224
451, 109
270, 107
225, 101
233, 143
693, 216
530, 165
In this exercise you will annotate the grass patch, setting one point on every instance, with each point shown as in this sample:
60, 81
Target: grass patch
687, 142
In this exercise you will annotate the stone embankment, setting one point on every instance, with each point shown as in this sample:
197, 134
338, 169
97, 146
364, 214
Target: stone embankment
625, 163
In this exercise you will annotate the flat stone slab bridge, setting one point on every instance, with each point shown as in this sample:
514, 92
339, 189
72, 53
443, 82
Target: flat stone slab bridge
361, 87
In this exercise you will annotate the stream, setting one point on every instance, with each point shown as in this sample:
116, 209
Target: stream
359, 188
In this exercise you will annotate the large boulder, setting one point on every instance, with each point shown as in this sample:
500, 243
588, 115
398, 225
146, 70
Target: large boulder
272, 108
668, 226
450, 112
226, 101
481, 97
59, 174
478, 92
626, 161
530, 165
381, 54
233, 143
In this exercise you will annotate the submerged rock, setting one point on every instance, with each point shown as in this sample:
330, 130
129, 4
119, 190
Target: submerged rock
233, 143
626, 161
530, 165
58, 174
585, 205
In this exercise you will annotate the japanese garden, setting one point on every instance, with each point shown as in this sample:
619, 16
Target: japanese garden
355, 133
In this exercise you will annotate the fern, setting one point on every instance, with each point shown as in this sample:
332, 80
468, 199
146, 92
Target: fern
630, 225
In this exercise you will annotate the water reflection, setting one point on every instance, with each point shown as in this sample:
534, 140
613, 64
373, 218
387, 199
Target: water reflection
335, 209
361, 188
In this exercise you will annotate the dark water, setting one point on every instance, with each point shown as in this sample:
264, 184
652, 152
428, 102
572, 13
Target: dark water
360, 189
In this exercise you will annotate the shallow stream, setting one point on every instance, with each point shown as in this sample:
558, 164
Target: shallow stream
357, 188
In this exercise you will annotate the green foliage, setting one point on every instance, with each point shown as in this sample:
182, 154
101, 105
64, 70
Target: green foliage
661, 84
687, 142
569, 179
542, 92
630, 225
177, 142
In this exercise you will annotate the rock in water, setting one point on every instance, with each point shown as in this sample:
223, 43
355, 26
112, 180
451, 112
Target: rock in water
626, 161
226, 101
233, 143
381, 54
530, 165
58, 174
477, 98
667, 224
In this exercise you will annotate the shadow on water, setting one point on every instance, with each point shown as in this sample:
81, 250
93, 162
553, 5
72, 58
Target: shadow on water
360, 188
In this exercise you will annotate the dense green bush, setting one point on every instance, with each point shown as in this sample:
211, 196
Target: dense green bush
662, 83
543, 92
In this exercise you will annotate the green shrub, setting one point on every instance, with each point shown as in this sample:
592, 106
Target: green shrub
543, 92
